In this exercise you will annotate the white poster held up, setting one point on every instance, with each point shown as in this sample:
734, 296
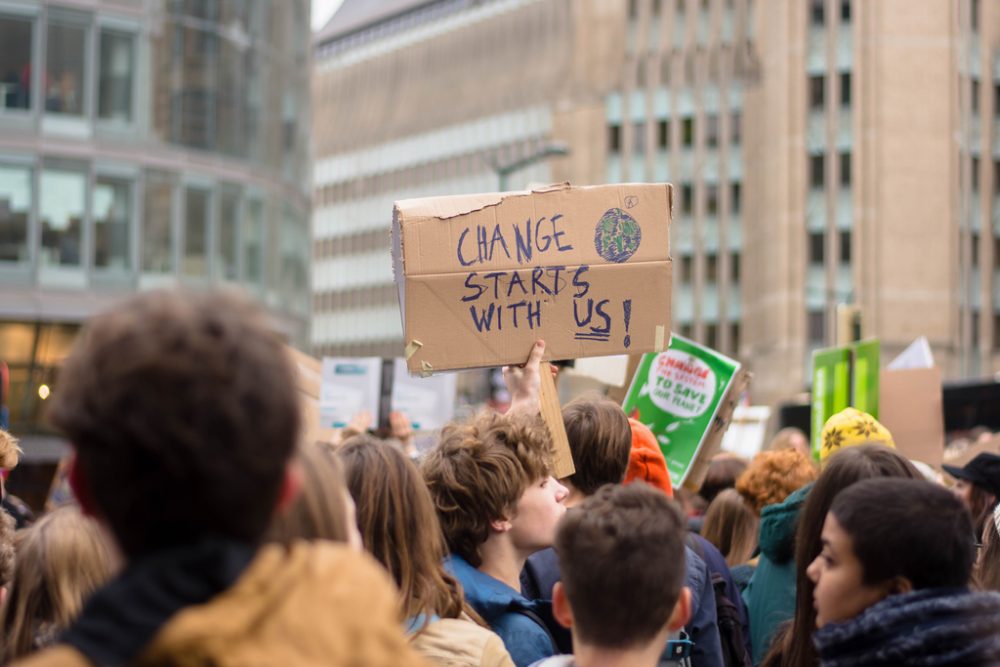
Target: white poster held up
350, 386
428, 402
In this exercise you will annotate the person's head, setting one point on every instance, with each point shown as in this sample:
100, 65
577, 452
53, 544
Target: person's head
731, 526
790, 438
773, 476
723, 470
600, 439
849, 428
61, 560
399, 526
887, 536
183, 412
845, 467
646, 462
988, 561
9, 453
977, 485
621, 555
491, 477
323, 509
7, 557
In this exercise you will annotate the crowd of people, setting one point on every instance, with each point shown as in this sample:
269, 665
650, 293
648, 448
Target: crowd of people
204, 530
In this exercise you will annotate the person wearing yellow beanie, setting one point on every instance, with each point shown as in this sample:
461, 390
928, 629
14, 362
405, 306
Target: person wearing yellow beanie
851, 427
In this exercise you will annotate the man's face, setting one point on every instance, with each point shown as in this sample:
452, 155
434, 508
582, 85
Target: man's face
840, 593
533, 526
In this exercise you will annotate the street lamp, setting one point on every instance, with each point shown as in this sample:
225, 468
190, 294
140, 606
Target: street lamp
503, 171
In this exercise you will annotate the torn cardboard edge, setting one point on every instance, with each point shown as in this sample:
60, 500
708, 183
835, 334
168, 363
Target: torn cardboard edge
712, 441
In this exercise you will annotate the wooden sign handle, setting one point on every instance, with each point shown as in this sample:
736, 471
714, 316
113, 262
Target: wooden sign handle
562, 460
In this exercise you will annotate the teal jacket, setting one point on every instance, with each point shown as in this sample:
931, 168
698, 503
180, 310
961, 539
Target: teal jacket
770, 595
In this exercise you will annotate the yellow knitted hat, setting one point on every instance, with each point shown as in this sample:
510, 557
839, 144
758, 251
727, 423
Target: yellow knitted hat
849, 428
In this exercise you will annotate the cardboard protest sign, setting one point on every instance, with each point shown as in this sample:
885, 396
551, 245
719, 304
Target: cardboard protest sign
846, 376
309, 379
481, 277
350, 386
678, 395
912, 408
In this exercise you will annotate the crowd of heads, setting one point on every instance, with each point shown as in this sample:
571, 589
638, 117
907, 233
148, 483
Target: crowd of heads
205, 525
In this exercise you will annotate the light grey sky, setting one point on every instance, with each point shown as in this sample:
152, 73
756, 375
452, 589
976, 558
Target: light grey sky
322, 10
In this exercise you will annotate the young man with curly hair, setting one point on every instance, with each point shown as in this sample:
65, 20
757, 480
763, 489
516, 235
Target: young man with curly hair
183, 414
498, 504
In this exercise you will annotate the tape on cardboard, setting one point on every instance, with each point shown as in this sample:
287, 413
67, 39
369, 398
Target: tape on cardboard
658, 338
411, 348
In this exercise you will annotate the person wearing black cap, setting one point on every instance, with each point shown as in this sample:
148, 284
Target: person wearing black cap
978, 486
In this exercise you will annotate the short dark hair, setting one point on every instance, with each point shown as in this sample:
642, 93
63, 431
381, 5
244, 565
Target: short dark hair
183, 411
909, 528
600, 439
478, 472
621, 554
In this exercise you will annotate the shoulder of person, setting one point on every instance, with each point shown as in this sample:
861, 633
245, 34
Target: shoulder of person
56, 656
461, 641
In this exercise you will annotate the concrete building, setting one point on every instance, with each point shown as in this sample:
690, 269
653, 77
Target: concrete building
146, 143
822, 153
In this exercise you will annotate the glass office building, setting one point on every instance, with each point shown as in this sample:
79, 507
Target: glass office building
146, 143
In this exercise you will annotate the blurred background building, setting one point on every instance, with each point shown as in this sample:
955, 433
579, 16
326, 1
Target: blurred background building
831, 158
146, 143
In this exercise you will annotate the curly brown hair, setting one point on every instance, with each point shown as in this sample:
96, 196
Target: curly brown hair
183, 411
773, 476
478, 472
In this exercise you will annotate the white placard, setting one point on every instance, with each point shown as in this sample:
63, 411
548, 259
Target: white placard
428, 402
350, 386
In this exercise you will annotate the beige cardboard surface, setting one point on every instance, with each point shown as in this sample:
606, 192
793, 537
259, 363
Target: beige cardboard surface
713, 439
562, 461
482, 277
309, 376
911, 407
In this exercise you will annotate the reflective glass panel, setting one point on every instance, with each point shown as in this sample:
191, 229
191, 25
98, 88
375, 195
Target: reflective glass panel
15, 209
112, 223
114, 95
15, 62
63, 80
196, 220
226, 243
61, 209
157, 236
253, 242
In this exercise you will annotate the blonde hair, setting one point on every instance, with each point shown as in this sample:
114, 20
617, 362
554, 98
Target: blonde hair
61, 560
731, 526
9, 451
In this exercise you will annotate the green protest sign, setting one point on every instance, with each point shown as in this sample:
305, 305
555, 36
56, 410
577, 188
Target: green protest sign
677, 394
843, 377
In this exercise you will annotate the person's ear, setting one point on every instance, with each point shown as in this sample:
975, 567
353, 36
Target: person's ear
561, 609
291, 486
899, 585
682, 611
501, 525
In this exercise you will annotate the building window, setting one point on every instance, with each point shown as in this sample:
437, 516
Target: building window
845, 247
845, 11
657, 7
638, 138
227, 239
712, 335
15, 209
816, 324
157, 226
114, 93
687, 330
734, 337
735, 128
640, 74
665, 70
974, 174
687, 198
712, 130
735, 198
974, 251
817, 92
687, 130
996, 253
16, 35
817, 13
974, 14
112, 212
663, 134
614, 138
845, 89
633, 9
734, 267
996, 331
816, 243
817, 174
197, 214
974, 96
711, 269
687, 269
65, 78
61, 208
253, 243
974, 328
845, 170
711, 199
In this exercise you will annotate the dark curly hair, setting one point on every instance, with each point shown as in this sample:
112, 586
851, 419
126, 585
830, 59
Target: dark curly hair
478, 472
183, 411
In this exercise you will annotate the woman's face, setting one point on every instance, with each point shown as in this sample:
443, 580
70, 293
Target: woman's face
840, 593
538, 511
